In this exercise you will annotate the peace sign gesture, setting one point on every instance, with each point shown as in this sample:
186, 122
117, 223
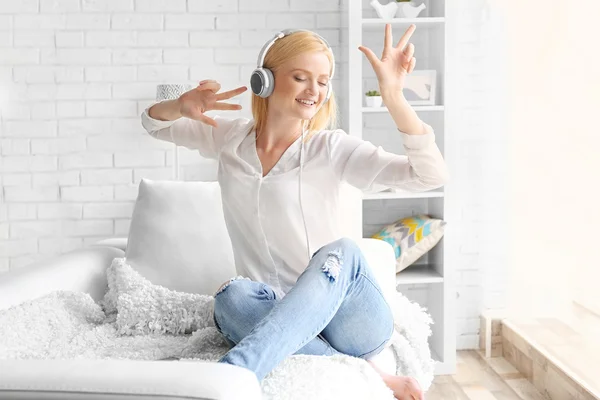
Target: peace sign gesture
396, 61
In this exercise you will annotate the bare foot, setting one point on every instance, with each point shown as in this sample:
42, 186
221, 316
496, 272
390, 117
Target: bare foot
404, 387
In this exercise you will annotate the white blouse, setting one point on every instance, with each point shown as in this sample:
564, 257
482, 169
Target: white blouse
263, 214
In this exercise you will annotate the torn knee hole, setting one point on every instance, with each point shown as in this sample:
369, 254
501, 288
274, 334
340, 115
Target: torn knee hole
333, 264
226, 284
223, 286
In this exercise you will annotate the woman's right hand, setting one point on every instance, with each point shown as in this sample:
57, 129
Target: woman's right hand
194, 103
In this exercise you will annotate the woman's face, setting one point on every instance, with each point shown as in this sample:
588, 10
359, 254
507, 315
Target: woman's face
305, 78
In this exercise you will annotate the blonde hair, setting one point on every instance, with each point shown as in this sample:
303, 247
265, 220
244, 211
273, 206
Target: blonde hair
280, 52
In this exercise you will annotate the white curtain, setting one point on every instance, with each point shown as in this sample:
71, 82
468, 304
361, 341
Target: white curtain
549, 65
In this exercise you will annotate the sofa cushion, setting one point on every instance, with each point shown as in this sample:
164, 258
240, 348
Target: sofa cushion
141, 308
178, 238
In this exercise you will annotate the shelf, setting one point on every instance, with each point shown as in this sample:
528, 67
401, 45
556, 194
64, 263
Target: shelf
404, 21
416, 108
415, 274
431, 276
402, 195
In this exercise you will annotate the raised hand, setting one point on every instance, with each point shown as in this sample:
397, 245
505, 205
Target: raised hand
396, 61
194, 103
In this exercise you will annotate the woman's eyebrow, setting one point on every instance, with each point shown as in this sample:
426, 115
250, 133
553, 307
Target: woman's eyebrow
300, 69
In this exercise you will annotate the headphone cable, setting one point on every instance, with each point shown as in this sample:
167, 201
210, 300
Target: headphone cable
300, 190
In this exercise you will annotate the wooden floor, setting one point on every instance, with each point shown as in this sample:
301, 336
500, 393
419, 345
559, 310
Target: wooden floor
570, 340
478, 378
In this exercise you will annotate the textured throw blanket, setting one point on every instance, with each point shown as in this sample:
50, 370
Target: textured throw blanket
67, 324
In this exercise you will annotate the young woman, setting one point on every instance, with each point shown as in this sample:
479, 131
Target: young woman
305, 288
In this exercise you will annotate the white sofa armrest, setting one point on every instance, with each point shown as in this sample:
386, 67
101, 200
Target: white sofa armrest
121, 379
118, 242
82, 270
381, 258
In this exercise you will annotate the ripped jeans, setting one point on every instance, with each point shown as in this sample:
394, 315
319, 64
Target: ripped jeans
336, 306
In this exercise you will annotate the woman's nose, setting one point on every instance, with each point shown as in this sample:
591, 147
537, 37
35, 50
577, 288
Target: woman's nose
314, 88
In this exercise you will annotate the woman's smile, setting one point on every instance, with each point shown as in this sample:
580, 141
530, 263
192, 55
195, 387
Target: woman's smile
306, 103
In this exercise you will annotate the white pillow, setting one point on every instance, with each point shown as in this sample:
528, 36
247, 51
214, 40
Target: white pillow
178, 238
143, 308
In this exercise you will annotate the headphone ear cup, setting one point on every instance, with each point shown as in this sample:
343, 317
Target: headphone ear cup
257, 81
262, 82
269, 82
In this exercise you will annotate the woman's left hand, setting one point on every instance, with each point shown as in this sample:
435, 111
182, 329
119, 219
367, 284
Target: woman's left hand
396, 62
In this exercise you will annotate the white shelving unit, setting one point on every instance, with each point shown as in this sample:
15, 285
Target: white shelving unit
428, 281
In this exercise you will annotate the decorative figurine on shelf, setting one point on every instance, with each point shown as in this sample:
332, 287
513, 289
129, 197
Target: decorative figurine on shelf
373, 98
384, 11
408, 9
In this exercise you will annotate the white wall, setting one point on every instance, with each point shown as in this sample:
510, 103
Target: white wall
555, 142
482, 166
76, 74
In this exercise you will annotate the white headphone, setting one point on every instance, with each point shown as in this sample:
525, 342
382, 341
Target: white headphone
262, 80
262, 83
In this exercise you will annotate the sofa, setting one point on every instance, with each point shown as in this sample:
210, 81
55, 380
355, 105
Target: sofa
84, 270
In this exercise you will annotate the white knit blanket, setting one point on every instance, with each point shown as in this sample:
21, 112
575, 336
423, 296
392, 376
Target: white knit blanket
67, 324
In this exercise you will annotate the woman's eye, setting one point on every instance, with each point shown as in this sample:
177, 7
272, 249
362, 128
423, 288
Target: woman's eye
302, 80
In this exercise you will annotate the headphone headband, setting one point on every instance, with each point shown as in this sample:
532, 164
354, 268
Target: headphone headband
263, 52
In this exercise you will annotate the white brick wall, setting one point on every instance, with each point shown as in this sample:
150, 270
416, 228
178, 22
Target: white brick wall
76, 74
481, 171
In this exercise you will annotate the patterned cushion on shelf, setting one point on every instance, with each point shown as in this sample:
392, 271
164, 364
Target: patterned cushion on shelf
412, 237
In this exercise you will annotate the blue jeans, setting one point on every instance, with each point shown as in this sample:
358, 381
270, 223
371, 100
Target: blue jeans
336, 306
